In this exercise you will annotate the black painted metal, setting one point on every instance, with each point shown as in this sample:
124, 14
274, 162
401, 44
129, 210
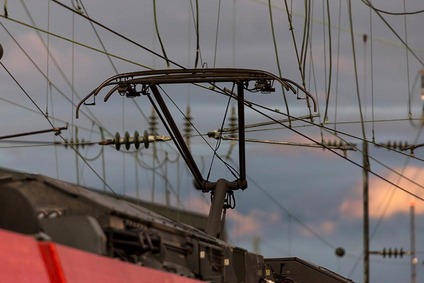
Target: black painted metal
178, 138
241, 132
200, 255
125, 84
213, 224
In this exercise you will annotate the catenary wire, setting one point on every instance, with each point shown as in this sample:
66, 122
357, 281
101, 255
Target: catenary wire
155, 17
76, 42
250, 105
217, 33
404, 13
117, 34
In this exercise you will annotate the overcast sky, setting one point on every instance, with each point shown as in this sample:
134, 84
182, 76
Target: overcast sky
301, 201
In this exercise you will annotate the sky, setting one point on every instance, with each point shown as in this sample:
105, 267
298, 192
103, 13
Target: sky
300, 201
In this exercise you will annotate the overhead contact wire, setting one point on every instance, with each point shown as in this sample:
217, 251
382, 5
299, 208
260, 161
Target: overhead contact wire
195, 15
117, 34
218, 142
299, 57
395, 33
99, 39
337, 69
404, 13
155, 17
356, 69
305, 40
41, 111
231, 169
251, 104
50, 56
45, 76
330, 68
48, 60
351, 161
276, 53
27, 94
216, 33
372, 76
407, 59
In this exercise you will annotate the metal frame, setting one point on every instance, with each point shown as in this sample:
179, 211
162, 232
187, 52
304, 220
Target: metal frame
125, 84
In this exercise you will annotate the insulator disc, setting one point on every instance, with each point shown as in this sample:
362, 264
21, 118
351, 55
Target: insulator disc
127, 140
146, 139
136, 139
117, 143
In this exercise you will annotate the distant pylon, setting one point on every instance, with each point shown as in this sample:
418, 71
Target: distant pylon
256, 245
153, 123
413, 254
422, 84
233, 129
153, 130
187, 126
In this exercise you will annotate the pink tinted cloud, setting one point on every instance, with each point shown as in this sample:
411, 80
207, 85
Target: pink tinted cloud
325, 228
385, 197
252, 224
36, 49
32, 45
242, 225
255, 223
198, 204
